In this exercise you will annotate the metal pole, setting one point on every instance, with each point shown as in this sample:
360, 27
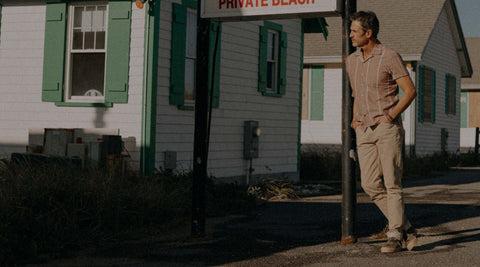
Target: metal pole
200, 143
349, 199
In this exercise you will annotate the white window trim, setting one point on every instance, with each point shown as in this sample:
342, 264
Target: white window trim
68, 56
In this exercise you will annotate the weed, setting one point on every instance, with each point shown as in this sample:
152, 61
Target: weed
48, 210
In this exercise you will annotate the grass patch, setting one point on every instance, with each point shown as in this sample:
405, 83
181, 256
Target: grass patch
326, 165
321, 165
47, 211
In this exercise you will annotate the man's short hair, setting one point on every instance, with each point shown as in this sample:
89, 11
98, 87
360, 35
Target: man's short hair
368, 20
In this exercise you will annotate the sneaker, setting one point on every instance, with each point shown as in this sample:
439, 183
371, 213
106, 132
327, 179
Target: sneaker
410, 237
393, 245
381, 235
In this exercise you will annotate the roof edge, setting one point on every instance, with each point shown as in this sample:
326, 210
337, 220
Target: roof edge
468, 87
462, 51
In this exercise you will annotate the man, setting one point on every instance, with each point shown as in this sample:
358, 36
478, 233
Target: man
376, 72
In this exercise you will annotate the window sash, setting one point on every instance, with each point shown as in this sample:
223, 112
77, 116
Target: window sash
70, 51
450, 94
272, 60
190, 56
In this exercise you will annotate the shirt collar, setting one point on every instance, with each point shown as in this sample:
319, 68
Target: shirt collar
377, 50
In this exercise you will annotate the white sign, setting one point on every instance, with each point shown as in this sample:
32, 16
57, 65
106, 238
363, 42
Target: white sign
234, 10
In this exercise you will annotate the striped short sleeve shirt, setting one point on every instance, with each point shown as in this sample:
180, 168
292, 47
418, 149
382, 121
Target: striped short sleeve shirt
373, 82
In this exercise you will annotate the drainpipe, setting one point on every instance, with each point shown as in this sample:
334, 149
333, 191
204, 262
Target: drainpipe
152, 20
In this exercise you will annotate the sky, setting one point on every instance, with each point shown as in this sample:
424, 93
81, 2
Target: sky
469, 13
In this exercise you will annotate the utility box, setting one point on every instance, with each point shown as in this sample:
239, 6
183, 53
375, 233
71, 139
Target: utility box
56, 140
251, 139
112, 144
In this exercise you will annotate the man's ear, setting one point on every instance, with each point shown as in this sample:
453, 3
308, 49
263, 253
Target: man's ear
369, 34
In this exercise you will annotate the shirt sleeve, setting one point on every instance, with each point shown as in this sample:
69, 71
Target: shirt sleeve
397, 67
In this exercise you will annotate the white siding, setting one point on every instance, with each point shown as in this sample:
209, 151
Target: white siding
440, 55
239, 101
328, 130
21, 70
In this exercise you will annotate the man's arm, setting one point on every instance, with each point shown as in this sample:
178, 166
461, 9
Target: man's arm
406, 84
354, 123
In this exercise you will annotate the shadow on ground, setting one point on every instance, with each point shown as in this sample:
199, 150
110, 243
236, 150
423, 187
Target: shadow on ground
280, 226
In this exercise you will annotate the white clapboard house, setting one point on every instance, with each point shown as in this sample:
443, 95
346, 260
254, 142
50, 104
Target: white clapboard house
428, 36
99, 68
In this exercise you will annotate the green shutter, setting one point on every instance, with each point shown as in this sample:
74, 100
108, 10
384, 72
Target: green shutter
454, 95
177, 61
464, 109
317, 93
54, 52
262, 60
421, 79
118, 51
215, 28
434, 95
447, 85
282, 68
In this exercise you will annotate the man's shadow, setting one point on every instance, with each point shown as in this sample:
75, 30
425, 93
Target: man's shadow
454, 241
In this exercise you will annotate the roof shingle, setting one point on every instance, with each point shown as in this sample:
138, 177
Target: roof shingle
405, 26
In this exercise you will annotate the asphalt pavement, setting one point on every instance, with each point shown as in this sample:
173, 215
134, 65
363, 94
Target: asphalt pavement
444, 208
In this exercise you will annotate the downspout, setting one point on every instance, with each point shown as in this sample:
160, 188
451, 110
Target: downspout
149, 101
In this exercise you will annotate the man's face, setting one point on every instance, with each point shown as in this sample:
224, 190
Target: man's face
358, 35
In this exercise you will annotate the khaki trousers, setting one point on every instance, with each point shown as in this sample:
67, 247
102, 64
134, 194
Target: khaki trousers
380, 154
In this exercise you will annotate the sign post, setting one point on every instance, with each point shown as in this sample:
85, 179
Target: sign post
200, 143
349, 199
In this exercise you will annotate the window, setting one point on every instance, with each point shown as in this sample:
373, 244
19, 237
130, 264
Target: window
272, 59
426, 112
86, 53
90, 67
450, 94
184, 56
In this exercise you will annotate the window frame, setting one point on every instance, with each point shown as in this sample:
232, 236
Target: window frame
68, 98
280, 79
422, 95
